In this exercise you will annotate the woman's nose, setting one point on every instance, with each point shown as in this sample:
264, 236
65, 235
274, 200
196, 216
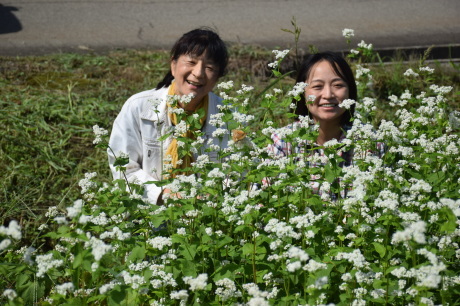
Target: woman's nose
198, 69
327, 92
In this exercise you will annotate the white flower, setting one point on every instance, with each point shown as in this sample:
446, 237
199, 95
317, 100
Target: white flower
225, 85
4, 244
46, 262
219, 132
410, 72
64, 288
362, 44
179, 295
160, 242
99, 132
347, 103
227, 289
13, 230
74, 210
415, 231
10, 294
298, 89
198, 283
348, 33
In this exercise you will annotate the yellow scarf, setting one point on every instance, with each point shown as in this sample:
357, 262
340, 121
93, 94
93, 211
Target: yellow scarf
172, 150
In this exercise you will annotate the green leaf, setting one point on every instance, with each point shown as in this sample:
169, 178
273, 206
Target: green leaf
138, 253
380, 249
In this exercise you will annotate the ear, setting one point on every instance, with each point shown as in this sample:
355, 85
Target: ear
173, 67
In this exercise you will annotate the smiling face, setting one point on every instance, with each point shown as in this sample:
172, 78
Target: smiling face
329, 90
195, 75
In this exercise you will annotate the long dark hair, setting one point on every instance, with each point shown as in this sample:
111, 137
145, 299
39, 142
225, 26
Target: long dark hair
341, 68
197, 42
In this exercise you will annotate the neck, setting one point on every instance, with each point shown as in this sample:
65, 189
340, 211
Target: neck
328, 132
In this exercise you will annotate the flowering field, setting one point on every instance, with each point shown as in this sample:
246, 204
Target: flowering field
260, 229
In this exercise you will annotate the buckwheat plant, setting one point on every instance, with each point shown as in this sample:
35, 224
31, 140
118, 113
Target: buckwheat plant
244, 226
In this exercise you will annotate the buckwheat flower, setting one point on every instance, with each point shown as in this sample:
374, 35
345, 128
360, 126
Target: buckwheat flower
347, 103
216, 173
244, 89
441, 89
347, 277
135, 281
94, 266
258, 301
355, 257
409, 72
280, 54
64, 288
225, 85
74, 210
227, 289
313, 266
107, 287
354, 51
198, 283
219, 132
294, 266
298, 89
98, 247
159, 242
86, 184
46, 262
360, 71
415, 231
4, 244
348, 33
427, 69
13, 230
10, 294
99, 132
179, 295
426, 301
362, 44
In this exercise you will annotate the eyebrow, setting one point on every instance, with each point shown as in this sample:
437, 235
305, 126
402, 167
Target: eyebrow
333, 80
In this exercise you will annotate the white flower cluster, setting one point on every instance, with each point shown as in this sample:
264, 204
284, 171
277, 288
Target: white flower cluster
225, 85
415, 231
46, 262
64, 288
99, 132
298, 89
279, 55
13, 230
363, 45
198, 283
347, 103
348, 33
115, 233
227, 289
160, 242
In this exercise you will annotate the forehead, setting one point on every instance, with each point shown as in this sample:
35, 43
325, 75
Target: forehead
321, 70
204, 57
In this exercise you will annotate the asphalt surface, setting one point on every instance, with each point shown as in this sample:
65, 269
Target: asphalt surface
49, 26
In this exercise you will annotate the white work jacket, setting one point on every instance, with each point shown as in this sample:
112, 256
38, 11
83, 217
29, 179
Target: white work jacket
137, 130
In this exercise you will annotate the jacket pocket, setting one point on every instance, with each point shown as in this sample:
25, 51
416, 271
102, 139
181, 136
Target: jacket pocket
152, 162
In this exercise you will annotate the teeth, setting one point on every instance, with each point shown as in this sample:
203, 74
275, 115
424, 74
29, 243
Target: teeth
194, 83
328, 105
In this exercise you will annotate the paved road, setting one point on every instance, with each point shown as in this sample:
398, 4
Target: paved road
46, 26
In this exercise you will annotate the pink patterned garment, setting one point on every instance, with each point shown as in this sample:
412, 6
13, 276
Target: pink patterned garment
316, 158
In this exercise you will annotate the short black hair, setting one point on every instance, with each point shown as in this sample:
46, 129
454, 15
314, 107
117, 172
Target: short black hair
196, 43
341, 68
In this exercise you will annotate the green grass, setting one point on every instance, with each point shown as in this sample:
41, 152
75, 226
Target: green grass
50, 103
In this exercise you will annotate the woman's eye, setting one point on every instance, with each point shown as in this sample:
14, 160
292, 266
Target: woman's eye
210, 68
